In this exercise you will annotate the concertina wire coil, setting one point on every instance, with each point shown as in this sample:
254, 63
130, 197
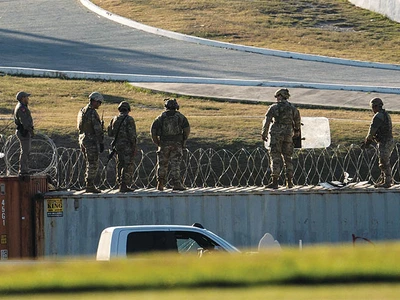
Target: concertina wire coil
201, 167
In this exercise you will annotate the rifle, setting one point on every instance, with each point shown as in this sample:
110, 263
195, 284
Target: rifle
102, 120
113, 150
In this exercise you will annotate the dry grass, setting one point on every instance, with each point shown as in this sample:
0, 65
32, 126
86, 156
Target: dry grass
56, 102
326, 27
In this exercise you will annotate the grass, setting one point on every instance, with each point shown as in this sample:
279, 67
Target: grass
357, 291
324, 267
56, 102
326, 27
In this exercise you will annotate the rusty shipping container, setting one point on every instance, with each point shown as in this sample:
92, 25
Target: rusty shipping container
17, 229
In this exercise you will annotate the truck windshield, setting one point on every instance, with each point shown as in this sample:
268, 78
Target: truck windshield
192, 241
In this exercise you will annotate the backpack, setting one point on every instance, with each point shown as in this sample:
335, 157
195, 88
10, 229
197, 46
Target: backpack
170, 124
284, 113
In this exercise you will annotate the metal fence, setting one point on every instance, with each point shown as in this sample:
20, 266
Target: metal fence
203, 167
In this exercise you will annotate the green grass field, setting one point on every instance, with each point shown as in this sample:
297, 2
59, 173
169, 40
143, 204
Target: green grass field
323, 272
378, 291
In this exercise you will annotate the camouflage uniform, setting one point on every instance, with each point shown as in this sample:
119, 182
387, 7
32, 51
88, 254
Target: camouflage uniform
91, 141
24, 133
170, 131
123, 126
380, 131
285, 119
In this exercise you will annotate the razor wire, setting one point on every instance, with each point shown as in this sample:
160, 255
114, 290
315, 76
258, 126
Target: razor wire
43, 156
204, 167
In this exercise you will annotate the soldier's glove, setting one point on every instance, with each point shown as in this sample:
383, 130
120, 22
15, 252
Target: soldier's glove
101, 148
365, 144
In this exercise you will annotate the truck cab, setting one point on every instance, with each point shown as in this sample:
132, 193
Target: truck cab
124, 241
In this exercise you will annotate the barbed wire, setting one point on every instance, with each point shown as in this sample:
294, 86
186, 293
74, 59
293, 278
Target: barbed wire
203, 167
43, 157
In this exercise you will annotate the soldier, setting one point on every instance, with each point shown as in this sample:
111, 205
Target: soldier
91, 138
285, 119
24, 132
169, 132
123, 129
380, 131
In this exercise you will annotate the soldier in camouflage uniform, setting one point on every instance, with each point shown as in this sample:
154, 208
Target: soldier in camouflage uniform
285, 119
91, 138
380, 131
123, 129
24, 132
169, 132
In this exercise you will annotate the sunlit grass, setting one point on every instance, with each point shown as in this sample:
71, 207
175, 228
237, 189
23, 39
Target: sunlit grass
314, 266
55, 104
328, 27
376, 291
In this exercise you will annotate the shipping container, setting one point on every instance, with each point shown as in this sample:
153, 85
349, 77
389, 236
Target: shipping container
71, 221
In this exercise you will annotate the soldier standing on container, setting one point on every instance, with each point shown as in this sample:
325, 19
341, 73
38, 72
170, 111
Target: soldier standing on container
91, 138
380, 131
123, 129
24, 132
169, 132
285, 119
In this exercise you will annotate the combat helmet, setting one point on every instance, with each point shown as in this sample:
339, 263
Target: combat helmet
282, 92
124, 105
171, 104
376, 102
96, 96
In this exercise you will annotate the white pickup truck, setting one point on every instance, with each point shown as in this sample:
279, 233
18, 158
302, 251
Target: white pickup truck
123, 241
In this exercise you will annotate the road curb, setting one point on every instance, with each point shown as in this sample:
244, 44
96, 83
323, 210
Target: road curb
192, 39
194, 80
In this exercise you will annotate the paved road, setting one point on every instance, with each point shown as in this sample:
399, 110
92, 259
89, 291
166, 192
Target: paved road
65, 36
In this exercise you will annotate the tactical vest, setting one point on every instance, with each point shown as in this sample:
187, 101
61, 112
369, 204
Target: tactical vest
84, 125
171, 127
20, 127
284, 113
120, 128
384, 133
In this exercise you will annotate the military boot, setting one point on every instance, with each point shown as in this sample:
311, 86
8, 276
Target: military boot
273, 184
381, 179
289, 182
387, 183
160, 185
90, 188
123, 188
178, 187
